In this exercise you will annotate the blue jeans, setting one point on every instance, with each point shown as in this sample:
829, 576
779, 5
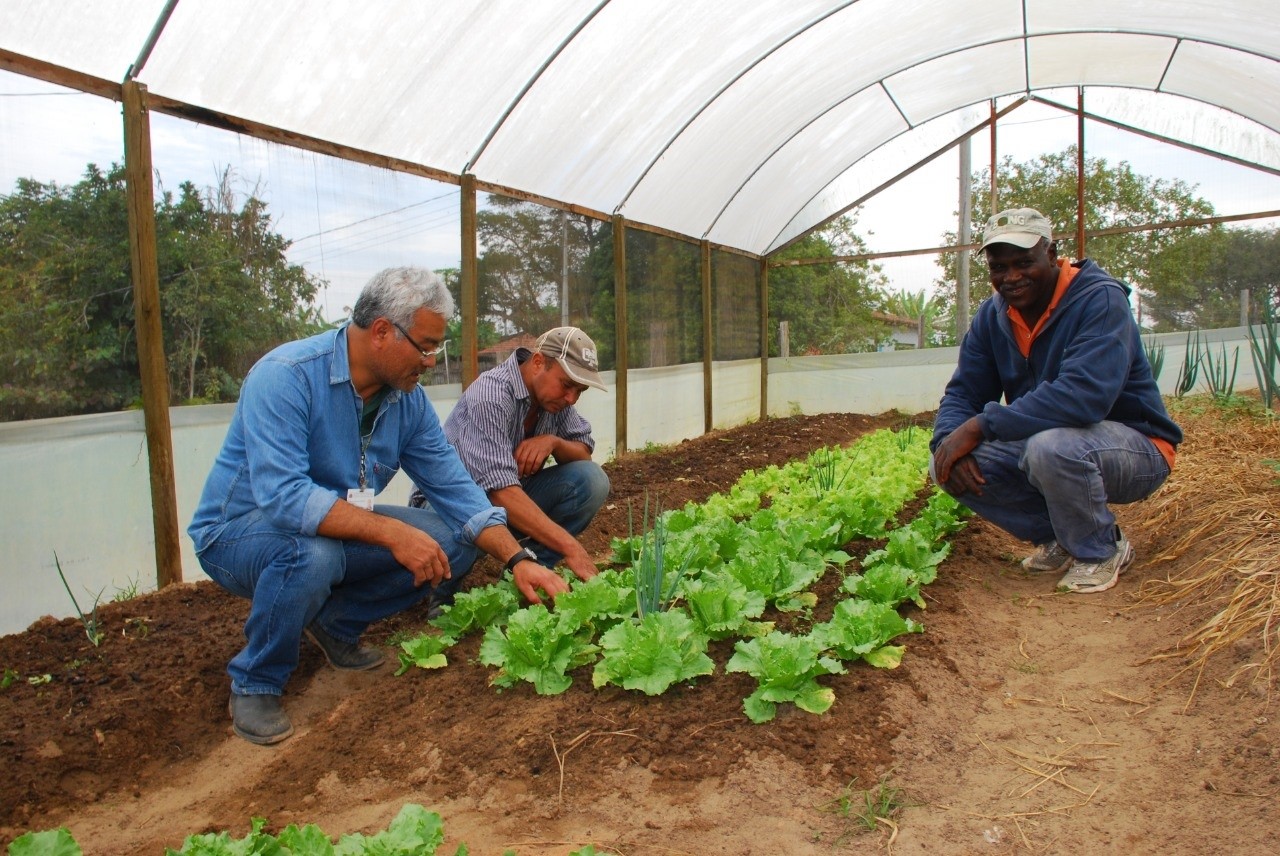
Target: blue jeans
293, 580
1056, 484
570, 494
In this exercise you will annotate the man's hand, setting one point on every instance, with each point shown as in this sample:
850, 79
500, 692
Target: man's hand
579, 561
530, 577
531, 455
422, 557
953, 463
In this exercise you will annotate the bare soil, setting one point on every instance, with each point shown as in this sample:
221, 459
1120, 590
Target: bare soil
1020, 721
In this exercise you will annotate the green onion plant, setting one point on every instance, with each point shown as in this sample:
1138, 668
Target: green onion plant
92, 626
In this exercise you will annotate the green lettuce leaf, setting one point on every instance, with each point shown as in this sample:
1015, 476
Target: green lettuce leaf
652, 653
536, 646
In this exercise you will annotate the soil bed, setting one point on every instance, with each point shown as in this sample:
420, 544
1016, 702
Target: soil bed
1019, 721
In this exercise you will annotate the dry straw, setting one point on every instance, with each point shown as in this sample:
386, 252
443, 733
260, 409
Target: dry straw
1220, 515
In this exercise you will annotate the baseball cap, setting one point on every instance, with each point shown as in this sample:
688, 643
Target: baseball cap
575, 352
1022, 227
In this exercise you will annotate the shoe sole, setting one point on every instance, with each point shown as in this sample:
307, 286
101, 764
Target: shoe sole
1124, 563
341, 668
257, 739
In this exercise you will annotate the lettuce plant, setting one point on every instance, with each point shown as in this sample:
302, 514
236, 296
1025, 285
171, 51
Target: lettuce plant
721, 606
860, 629
652, 653
426, 651
477, 608
786, 668
536, 646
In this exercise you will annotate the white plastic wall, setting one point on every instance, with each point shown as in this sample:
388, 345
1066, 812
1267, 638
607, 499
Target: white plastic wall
78, 486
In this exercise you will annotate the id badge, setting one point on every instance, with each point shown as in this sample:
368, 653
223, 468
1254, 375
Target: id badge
361, 498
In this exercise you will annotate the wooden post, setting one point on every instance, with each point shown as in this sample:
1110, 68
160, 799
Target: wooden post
140, 202
469, 285
995, 194
707, 338
764, 339
620, 332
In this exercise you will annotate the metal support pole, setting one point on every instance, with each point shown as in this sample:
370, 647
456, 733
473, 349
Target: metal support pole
764, 339
1080, 247
964, 233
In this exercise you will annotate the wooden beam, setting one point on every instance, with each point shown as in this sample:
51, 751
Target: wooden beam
469, 285
1080, 169
707, 338
59, 76
140, 202
620, 332
764, 338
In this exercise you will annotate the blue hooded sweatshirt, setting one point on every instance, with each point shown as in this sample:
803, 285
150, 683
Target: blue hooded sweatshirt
1086, 365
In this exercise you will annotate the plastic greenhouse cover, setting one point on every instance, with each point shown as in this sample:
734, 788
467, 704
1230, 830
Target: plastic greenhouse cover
743, 121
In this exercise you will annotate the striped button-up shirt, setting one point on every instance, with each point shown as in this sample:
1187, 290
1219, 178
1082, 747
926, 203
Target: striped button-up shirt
487, 424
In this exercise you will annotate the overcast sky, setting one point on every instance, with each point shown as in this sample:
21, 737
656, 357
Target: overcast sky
347, 221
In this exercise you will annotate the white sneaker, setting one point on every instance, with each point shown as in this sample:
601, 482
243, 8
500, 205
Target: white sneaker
1089, 577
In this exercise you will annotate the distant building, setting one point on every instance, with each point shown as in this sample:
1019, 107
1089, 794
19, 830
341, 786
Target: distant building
491, 356
904, 333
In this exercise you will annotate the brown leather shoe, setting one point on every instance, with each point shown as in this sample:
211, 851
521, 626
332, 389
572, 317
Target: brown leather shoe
259, 718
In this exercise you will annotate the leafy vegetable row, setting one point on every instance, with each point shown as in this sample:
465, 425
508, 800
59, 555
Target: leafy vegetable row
708, 571
414, 832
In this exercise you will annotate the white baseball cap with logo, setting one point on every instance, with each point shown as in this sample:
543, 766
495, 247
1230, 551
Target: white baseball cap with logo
575, 352
1022, 227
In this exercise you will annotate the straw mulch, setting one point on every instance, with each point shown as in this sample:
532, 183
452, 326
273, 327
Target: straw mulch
1221, 512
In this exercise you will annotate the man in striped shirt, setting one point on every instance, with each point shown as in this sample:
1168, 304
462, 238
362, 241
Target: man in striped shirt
516, 418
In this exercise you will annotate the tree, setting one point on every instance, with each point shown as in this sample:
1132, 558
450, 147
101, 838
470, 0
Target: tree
532, 260
1204, 274
828, 307
67, 342
1114, 196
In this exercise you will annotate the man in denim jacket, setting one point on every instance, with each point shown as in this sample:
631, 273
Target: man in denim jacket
1082, 423
287, 517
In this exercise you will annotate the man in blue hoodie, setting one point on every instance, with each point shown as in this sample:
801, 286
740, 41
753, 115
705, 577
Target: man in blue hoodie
1082, 423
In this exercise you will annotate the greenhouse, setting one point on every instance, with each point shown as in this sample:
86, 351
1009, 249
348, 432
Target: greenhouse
736, 200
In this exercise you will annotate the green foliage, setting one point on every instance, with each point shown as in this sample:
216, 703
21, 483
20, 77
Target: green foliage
9, 678
1155, 356
861, 629
536, 646
600, 602
868, 807
721, 606
52, 842
652, 653
1190, 367
67, 334
1196, 282
827, 306
655, 575
1264, 348
425, 651
1220, 385
1116, 196
786, 668
475, 609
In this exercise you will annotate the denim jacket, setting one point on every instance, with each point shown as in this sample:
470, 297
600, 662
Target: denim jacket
293, 448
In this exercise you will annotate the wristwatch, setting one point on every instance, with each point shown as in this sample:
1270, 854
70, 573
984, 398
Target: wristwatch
525, 553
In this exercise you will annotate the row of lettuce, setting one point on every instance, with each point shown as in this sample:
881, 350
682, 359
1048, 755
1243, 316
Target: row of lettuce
414, 832
709, 571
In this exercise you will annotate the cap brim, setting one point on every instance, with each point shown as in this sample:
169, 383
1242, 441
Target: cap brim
581, 375
1025, 240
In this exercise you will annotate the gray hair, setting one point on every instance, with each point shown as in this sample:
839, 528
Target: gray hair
397, 293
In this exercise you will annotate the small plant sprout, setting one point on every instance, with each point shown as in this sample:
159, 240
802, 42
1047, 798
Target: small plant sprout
92, 627
1264, 348
1215, 373
871, 807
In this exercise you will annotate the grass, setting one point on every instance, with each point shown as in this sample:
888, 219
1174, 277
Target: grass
867, 809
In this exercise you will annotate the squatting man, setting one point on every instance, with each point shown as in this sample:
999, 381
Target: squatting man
288, 519
1082, 423
520, 436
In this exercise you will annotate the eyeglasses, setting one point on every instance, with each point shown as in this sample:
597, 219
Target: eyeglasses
426, 354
